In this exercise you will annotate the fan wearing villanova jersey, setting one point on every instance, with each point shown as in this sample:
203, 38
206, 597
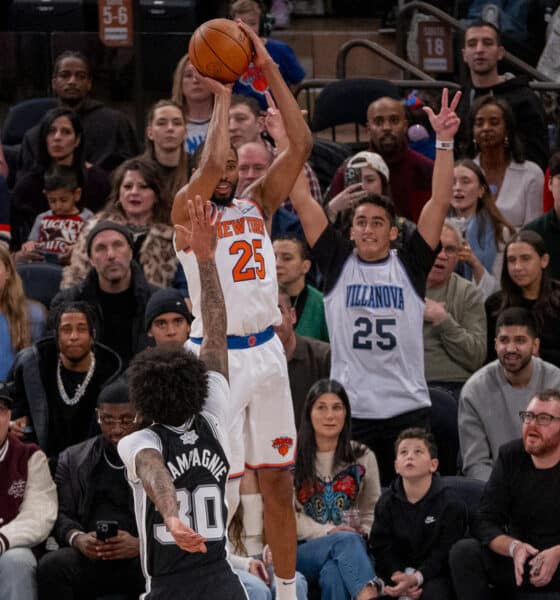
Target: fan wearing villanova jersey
374, 300
262, 428
178, 466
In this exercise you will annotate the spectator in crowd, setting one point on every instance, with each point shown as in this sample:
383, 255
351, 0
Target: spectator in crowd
492, 398
254, 82
253, 161
196, 101
292, 266
417, 521
518, 529
165, 145
28, 507
365, 173
308, 359
249, 556
247, 124
22, 321
108, 136
117, 289
92, 488
376, 343
548, 226
56, 230
334, 474
526, 282
486, 232
410, 173
454, 320
482, 51
57, 381
60, 141
167, 318
137, 203
516, 183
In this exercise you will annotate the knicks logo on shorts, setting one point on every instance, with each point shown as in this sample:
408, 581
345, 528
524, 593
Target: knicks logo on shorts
283, 444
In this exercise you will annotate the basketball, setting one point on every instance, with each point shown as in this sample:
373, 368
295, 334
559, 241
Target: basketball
220, 49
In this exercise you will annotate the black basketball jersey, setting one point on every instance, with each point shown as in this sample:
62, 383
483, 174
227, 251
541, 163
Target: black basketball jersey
199, 468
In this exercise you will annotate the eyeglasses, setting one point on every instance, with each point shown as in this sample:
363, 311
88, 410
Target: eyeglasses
450, 250
111, 421
543, 419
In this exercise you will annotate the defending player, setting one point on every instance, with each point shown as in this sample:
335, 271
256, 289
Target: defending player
262, 432
177, 467
374, 300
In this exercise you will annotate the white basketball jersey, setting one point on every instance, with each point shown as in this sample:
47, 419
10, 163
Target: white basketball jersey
247, 269
375, 319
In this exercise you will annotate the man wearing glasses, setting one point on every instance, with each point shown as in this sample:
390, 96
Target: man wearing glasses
518, 529
492, 398
93, 490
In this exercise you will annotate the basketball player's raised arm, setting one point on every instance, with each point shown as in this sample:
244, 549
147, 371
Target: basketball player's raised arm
159, 487
201, 237
445, 124
214, 155
310, 212
275, 186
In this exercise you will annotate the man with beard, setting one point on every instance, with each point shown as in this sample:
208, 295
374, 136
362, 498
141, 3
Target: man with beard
492, 398
262, 431
518, 526
410, 173
57, 381
109, 138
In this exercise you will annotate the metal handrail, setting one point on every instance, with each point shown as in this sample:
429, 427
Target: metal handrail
381, 51
436, 12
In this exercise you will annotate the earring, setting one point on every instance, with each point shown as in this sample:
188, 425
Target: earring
506, 142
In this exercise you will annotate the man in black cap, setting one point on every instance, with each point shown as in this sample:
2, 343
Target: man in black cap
167, 317
28, 507
116, 287
92, 491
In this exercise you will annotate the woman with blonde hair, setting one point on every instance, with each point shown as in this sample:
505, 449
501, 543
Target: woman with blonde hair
22, 321
196, 101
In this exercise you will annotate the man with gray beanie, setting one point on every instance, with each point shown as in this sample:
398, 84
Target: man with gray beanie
167, 318
95, 528
116, 287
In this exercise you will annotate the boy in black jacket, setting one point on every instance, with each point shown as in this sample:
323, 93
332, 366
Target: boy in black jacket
417, 521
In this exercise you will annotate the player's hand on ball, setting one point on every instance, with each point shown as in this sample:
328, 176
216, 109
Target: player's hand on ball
261, 56
215, 86
186, 538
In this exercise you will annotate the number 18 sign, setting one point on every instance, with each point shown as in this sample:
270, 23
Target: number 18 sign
116, 22
435, 47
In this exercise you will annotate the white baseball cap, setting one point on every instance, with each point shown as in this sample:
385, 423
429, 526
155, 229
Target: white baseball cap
369, 159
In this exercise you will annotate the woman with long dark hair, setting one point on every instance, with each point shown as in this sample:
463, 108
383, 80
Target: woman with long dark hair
515, 183
61, 142
336, 487
137, 200
485, 229
526, 283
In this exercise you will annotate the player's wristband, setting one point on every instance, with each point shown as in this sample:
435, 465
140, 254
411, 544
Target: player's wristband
444, 145
513, 546
419, 578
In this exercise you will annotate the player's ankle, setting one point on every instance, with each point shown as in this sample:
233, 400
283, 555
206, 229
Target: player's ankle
285, 588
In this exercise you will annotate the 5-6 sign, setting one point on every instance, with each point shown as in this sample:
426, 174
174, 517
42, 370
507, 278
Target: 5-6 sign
116, 22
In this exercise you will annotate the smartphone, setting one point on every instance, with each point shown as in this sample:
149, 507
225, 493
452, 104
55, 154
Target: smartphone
106, 529
351, 176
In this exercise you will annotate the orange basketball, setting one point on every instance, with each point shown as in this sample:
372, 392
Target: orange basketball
220, 49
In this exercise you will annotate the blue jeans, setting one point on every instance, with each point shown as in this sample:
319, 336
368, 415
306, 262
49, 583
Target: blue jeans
339, 562
17, 575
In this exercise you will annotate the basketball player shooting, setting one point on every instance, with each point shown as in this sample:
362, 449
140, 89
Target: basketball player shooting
262, 431
177, 467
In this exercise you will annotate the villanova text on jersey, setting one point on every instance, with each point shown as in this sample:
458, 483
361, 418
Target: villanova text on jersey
193, 458
375, 296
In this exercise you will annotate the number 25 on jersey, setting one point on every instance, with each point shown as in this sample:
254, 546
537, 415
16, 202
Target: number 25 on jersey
249, 254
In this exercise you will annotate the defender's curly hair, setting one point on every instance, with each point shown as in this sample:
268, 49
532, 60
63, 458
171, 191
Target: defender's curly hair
167, 384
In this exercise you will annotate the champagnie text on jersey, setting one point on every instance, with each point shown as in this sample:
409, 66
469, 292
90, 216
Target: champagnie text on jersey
194, 458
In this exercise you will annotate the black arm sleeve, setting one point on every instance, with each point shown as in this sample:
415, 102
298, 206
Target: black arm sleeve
417, 258
330, 253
